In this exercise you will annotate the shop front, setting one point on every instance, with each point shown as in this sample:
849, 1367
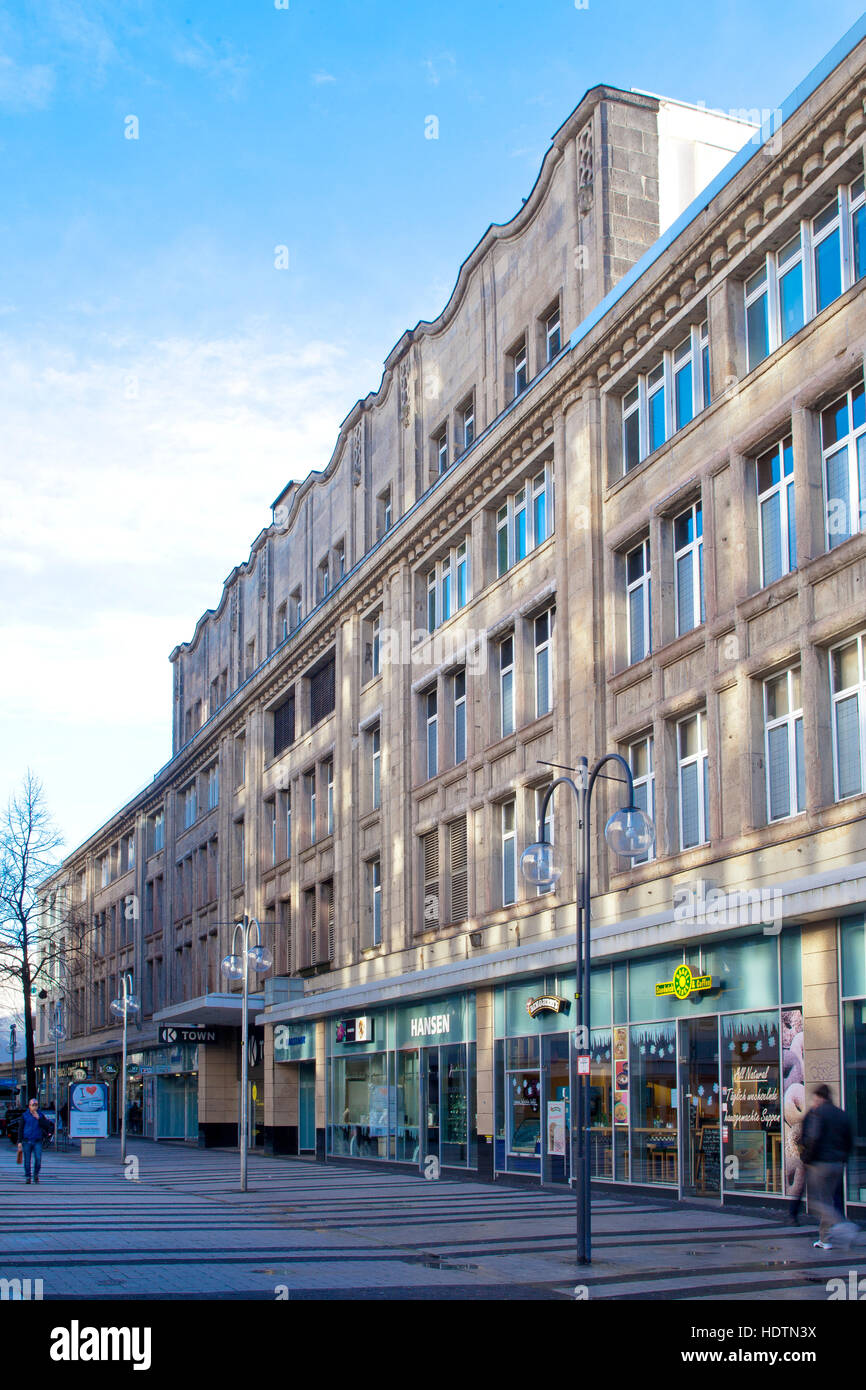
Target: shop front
852, 933
162, 1092
402, 1084
695, 1071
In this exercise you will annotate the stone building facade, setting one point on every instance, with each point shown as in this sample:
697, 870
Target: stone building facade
610, 500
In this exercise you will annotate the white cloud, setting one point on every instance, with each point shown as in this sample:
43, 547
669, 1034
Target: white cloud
441, 68
319, 79
222, 64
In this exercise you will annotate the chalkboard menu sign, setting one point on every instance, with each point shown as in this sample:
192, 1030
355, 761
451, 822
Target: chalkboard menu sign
710, 1136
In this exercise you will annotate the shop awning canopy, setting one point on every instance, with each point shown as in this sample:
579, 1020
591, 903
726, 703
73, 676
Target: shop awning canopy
212, 1008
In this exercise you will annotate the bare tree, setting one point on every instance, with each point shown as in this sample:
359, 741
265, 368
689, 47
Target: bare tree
32, 942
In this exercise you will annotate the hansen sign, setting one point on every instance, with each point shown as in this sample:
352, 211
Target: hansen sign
197, 1035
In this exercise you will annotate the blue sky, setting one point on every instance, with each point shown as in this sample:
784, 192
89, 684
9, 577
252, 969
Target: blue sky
160, 379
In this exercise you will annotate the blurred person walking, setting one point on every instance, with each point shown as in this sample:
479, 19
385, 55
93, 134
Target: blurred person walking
33, 1127
827, 1141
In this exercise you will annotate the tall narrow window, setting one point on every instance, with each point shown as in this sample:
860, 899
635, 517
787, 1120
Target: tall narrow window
792, 303
376, 900
778, 526
310, 788
704, 348
540, 793
213, 786
189, 805
432, 727
430, 870
638, 585
843, 443
656, 414
441, 446
857, 203
631, 450
322, 684
376, 765
684, 393
539, 509
553, 335
849, 716
459, 867
467, 422
827, 254
461, 563
506, 685
689, 568
543, 633
502, 548
509, 854
520, 368
694, 782
329, 787
271, 821
288, 814
459, 716
284, 724
640, 758
783, 734
375, 647
757, 317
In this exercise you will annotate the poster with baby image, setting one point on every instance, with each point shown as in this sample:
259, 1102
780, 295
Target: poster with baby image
794, 1097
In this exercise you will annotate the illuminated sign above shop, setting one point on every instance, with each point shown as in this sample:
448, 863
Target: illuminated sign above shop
547, 1003
685, 983
355, 1030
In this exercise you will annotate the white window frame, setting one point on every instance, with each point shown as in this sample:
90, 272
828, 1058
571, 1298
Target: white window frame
700, 759
375, 654
553, 329
310, 793
329, 787
661, 377
190, 805
376, 764
431, 731
788, 722
459, 700
695, 547
540, 793
784, 490
851, 441
440, 440
644, 782
519, 363
272, 805
856, 203
158, 831
444, 583
524, 502
642, 585
508, 844
845, 693
506, 673
543, 648
376, 899
467, 422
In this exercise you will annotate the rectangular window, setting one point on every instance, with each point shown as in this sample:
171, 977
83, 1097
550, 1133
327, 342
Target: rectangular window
509, 854
376, 900
375, 648
251, 657
448, 586
540, 793
640, 760
684, 392
459, 870
322, 691
843, 446
383, 513
467, 422
524, 521
689, 568
284, 724
329, 788
543, 638
376, 765
639, 596
656, 413
849, 715
783, 746
287, 807
240, 760
631, 450
776, 512
340, 560
693, 781
827, 254
430, 871
857, 204
666, 397
240, 852
506, 686
757, 318
440, 450
271, 829
189, 805
792, 302
310, 795
323, 580
459, 693
295, 609
158, 831
213, 786
130, 851
432, 717
519, 368
553, 335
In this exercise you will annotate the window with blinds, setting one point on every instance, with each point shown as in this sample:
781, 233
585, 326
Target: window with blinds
776, 511
323, 934
322, 691
459, 870
783, 733
284, 724
849, 707
430, 870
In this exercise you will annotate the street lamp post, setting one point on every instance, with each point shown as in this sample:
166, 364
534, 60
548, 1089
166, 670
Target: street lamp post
57, 1033
628, 832
122, 1007
237, 967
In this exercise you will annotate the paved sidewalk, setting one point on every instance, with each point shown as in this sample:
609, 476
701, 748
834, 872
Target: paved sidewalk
182, 1229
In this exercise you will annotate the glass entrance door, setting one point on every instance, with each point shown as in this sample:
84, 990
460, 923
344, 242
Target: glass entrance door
306, 1107
700, 1127
430, 1100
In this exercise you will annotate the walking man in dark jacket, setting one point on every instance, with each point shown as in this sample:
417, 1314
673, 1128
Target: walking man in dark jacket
827, 1141
32, 1128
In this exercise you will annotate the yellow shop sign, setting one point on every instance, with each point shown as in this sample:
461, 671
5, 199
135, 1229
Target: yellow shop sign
685, 983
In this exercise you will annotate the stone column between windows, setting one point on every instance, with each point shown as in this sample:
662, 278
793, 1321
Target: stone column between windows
821, 1005
218, 1088
726, 324
281, 1101
484, 1080
808, 484
321, 1085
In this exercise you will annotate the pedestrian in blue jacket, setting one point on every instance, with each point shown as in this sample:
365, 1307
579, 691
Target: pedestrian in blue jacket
32, 1127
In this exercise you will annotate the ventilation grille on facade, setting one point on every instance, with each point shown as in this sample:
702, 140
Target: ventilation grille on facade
459, 871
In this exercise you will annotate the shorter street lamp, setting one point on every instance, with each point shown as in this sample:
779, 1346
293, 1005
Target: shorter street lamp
57, 1032
629, 832
121, 1008
237, 967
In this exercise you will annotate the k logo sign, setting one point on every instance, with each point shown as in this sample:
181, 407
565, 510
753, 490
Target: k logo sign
171, 1035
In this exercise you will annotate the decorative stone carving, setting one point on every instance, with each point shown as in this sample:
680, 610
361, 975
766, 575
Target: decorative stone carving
584, 169
404, 393
357, 453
